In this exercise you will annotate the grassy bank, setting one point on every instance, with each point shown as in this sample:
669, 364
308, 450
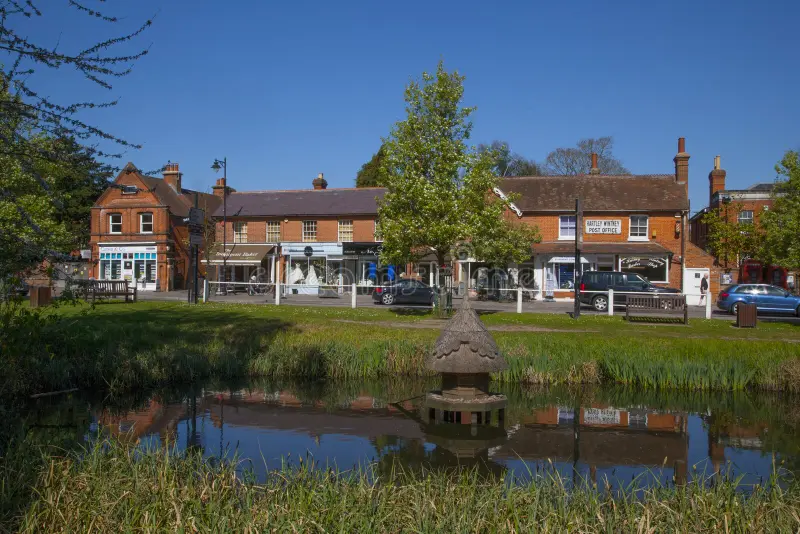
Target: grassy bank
159, 492
122, 347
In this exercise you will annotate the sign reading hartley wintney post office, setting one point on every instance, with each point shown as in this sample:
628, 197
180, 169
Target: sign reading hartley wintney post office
603, 226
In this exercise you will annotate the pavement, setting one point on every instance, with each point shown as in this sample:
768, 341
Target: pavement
365, 301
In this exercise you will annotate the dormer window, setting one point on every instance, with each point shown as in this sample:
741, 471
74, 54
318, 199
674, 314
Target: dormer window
129, 189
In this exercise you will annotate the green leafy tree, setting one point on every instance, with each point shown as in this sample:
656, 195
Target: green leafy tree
439, 190
781, 223
577, 160
508, 163
370, 173
730, 240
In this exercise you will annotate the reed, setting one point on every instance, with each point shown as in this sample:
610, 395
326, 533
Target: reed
112, 488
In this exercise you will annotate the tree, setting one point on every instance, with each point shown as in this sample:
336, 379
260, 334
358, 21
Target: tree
508, 163
39, 134
730, 240
369, 174
439, 190
578, 160
781, 223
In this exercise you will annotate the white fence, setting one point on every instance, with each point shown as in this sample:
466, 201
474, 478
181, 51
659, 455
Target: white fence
279, 291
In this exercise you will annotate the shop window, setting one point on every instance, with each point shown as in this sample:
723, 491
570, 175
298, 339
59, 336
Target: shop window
653, 269
345, 231
115, 223
240, 232
309, 231
638, 228
273, 231
746, 217
566, 227
145, 223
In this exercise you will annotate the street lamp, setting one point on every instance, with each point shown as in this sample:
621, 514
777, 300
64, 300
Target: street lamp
216, 166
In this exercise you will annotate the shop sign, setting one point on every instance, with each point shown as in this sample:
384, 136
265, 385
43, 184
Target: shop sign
308, 252
643, 262
504, 198
604, 226
566, 259
600, 416
320, 249
196, 216
128, 249
361, 249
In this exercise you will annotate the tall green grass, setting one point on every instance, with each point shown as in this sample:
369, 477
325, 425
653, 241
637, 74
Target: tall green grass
111, 488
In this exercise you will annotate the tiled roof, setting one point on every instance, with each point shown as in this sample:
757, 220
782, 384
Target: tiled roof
645, 192
306, 202
179, 204
566, 248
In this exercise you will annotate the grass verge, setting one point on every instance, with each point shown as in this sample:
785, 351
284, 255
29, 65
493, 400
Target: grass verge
112, 488
124, 347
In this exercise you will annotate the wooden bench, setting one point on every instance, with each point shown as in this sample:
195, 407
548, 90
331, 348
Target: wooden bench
111, 288
662, 304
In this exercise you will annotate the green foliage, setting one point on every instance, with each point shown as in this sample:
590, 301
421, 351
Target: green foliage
781, 223
370, 173
728, 239
112, 487
439, 189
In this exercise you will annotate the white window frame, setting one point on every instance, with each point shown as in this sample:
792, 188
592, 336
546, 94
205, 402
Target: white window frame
111, 223
748, 220
563, 237
345, 223
271, 233
142, 223
646, 236
240, 232
309, 235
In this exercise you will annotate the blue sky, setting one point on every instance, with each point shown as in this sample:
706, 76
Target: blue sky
286, 90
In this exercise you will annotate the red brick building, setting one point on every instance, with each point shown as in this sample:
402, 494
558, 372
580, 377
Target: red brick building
634, 223
138, 231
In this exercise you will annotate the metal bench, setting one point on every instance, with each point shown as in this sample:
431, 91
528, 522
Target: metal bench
662, 304
111, 288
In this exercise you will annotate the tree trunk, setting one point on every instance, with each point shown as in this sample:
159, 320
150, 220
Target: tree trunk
441, 308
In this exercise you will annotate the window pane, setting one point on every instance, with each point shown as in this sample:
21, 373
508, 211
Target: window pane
240, 232
638, 226
345, 231
150, 271
309, 231
115, 223
273, 231
146, 223
746, 217
566, 226
565, 275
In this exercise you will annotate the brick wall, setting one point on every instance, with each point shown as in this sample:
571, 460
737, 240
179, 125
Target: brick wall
292, 230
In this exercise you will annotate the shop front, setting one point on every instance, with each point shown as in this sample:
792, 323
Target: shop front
310, 265
135, 263
243, 261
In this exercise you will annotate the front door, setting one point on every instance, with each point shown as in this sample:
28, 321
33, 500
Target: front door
692, 278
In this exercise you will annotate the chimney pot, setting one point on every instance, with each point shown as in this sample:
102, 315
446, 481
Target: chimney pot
594, 169
172, 175
681, 145
319, 182
716, 162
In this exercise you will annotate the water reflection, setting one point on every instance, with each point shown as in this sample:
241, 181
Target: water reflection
593, 435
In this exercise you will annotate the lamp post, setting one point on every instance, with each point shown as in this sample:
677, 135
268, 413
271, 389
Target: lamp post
221, 276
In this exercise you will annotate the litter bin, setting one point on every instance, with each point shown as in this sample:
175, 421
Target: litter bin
746, 316
40, 296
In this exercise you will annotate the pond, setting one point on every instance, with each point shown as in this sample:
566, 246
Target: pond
595, 434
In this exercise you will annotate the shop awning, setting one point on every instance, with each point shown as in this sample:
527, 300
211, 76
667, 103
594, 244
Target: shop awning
567, 248
240, 254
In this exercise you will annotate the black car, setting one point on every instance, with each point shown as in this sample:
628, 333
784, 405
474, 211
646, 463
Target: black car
403, 292
595, 285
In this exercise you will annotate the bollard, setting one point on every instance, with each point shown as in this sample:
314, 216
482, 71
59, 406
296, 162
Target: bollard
205, 291
277, 293
353, 297
519, 300
708, 305
610, 302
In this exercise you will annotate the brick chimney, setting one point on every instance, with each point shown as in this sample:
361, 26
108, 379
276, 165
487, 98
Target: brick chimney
172, 175
716, 180
220, 188
682, 164
594, 169
320, 182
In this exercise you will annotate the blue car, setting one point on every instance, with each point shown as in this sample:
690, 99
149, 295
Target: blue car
767, 298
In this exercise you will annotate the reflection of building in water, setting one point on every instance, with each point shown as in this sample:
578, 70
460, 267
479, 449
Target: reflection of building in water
722, 434
155, 419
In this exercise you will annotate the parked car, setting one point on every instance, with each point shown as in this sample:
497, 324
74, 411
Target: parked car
403, 292
595, 285
13, 287
767, 298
